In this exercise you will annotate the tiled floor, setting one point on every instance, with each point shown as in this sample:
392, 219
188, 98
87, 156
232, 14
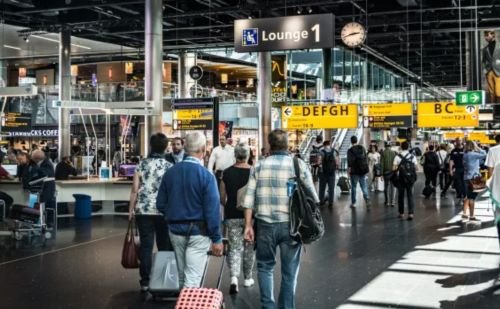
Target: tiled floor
366, 260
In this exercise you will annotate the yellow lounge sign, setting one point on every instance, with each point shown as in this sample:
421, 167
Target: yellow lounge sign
386, 115
446, 115
331, 116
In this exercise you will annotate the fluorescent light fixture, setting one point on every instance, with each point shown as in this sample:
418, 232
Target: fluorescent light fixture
11, 47
81, 46
57, 41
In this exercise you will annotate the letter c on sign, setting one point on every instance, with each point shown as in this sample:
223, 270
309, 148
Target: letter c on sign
447, 108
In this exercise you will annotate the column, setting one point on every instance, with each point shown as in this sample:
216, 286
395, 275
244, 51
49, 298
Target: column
367, 133
264, 99
475, 62
327, 82
185, 62
3, 73
64, 138
153, 67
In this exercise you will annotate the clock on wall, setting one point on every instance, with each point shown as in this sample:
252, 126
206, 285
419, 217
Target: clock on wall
353, 34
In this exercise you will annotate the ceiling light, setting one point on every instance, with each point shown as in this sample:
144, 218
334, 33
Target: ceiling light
11, 47
299, 10
57, 41
81, 46
309, 10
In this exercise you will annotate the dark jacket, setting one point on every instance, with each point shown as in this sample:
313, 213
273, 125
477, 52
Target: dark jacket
357, 160
170, 157
431, 162
63, 170
387, 160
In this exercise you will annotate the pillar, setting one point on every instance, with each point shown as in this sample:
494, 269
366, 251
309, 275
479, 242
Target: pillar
264, 99
474, 61
153, 67
363, 94
64, 138
3, 73
327, 82
186, 61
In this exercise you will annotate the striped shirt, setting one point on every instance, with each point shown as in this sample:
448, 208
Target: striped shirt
267, 187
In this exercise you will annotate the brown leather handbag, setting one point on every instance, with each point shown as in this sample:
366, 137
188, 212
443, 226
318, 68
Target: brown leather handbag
477, 183
130, 257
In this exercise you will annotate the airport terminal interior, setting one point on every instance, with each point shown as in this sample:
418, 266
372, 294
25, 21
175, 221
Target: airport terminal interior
129, 128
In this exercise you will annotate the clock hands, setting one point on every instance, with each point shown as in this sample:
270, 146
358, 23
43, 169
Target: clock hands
350, 34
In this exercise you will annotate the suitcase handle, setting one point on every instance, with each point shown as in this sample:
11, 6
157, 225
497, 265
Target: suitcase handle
221, 271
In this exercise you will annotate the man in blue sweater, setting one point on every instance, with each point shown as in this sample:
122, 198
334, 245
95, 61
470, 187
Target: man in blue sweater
189, 199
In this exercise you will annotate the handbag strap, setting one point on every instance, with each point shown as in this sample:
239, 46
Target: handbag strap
296, 168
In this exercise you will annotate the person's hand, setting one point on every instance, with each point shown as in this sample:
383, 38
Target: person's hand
249, 234
217, 249
130, 215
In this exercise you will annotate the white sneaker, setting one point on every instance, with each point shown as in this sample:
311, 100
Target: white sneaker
248, 282
233, 288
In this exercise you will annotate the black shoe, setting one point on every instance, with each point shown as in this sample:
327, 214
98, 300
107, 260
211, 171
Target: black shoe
410, 217
233, 289
330, 205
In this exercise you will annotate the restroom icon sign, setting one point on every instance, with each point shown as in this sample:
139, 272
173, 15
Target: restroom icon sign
250, 37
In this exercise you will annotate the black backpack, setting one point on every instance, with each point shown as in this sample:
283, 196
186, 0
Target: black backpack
306, 223
407, 172
329, 163
360, 163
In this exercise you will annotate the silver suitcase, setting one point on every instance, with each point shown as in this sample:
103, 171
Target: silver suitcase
164, 278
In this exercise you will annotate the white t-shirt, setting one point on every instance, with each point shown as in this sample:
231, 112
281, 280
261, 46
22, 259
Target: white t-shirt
221, 157
493, 156
404, 153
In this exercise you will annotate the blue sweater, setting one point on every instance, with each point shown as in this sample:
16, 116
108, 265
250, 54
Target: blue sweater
188, 192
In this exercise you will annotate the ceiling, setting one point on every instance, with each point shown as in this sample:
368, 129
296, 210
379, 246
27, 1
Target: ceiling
423, 36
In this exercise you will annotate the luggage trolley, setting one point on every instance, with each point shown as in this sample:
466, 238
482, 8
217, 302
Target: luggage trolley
31, 219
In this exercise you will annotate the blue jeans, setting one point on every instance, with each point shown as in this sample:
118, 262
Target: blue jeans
191, 257
364, 187
325, 180
269, 237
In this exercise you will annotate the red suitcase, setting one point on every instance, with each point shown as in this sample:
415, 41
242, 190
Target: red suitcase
202, 298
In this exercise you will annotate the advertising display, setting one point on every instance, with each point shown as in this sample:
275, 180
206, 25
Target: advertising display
446, 115
490, 63
387, 115
284, 33
334, 116
278, 76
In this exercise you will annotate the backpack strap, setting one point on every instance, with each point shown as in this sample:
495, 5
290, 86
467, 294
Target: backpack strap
296, 168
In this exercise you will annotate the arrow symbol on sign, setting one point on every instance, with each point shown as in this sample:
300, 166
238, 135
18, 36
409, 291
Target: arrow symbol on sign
470, 108
288, 111
474, 98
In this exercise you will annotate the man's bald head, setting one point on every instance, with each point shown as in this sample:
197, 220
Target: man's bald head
37, 156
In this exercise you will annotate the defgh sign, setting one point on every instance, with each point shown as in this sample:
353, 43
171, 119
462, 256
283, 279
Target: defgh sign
282, 33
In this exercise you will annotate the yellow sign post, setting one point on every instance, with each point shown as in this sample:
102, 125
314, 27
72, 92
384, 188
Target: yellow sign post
480, 137
332, 116
387, 115
192, 119
453, 135
446, 115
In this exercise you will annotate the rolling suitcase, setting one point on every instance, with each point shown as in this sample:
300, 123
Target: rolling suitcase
164, 278
344, 184
202, 298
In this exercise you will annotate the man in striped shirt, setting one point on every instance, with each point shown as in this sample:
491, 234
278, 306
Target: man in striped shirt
267, 198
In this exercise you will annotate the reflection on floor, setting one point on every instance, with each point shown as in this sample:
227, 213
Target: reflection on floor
367, 259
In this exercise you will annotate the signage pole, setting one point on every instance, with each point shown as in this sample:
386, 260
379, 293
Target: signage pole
264, 98
64, 140
215, 129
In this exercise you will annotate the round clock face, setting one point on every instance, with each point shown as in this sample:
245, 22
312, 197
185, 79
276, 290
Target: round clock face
353, 34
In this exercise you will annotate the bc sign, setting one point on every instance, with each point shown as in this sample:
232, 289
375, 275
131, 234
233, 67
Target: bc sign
282, 33
446, 115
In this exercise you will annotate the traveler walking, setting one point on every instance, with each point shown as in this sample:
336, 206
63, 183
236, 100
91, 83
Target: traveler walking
150, 222
493, 157
443, 167
221, 158
457, 168
357, 163
373, 167
268, 196
189, 199
234, 180
178, 154
386, 164
405, 165
472, 160
329, 165
431, 169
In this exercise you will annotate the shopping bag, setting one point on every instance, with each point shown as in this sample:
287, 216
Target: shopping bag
130, 257
379, 184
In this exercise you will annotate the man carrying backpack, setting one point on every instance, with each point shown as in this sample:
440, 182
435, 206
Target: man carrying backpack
329, 164
357, 162
405, 165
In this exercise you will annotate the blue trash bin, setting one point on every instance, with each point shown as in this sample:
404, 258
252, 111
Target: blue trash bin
83, 206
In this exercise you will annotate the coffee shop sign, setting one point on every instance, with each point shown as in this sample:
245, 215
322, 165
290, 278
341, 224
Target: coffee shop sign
43, 133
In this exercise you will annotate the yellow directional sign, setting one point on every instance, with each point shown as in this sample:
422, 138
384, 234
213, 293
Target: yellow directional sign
447, 115
453, 135
192, 114
331, 116
386, 115
192, 119
480, 137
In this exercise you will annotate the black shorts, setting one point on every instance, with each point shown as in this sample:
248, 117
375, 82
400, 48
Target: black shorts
469, 193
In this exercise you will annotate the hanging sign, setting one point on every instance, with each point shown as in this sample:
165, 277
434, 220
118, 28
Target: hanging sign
333, 116
387, 115
447, 115
449, 136
284, 33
